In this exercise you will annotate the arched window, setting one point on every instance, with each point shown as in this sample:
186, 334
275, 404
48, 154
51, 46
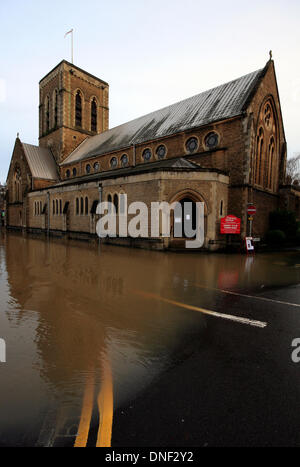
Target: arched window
78, 109
268, 115
271, 163
41, 207
94, 115
17, 183
116, 202
96, 166
86, 202
113, 162
161, 151
266, 160
57, 206
53, 207
47, 114
81, 205
124, 160
77, 206
55, 108
60, 206
109, 200
259, 155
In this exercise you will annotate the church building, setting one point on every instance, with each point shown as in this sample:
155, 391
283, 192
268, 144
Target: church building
224, 147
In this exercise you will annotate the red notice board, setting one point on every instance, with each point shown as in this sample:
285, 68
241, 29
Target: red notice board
230, 225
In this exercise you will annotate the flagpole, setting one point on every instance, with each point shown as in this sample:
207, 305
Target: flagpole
72, 44
72, 49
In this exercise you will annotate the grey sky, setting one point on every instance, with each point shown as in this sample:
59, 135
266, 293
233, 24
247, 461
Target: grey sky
152, 53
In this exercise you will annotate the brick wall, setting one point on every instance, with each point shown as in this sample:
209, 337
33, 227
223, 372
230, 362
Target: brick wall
67, 79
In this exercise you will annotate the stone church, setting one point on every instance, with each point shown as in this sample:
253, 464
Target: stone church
224, 147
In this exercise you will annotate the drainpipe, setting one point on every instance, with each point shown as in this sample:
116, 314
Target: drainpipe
100, 189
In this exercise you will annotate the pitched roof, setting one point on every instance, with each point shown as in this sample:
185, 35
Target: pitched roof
222, 102
178, 164
41, 162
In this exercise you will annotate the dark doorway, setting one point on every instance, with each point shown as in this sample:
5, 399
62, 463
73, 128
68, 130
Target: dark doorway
187, 219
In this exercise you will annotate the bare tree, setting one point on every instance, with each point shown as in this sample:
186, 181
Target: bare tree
293, 170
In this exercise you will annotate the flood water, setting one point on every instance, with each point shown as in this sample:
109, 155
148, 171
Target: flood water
68, 309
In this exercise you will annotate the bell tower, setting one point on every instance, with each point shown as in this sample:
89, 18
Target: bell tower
73, 106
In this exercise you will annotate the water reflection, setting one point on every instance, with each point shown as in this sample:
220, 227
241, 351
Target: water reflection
64, 305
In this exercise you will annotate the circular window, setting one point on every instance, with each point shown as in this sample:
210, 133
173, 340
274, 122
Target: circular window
147, 154
88, 168
96, 166
124, 160
161, 151
68, 173
113, 162
212, 140
191, 145
74, 172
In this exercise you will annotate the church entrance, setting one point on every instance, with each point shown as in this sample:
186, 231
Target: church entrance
185, 222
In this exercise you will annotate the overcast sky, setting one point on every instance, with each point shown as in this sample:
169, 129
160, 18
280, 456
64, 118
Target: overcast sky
151, 52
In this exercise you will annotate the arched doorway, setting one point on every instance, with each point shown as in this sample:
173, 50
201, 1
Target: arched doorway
184, 221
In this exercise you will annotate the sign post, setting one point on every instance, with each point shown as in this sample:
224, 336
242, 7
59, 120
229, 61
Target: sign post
251, 210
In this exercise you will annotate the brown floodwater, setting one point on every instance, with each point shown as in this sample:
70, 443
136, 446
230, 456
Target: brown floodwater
67, 306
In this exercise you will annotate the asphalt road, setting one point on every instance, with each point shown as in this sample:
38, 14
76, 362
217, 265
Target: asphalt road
233, 385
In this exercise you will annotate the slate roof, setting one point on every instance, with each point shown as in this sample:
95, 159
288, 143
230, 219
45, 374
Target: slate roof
225, 101
41, 162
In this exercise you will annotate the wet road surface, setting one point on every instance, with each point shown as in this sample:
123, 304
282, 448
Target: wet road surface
123, 347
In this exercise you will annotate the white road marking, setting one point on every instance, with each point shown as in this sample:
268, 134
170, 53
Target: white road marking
239, 319
249, 296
